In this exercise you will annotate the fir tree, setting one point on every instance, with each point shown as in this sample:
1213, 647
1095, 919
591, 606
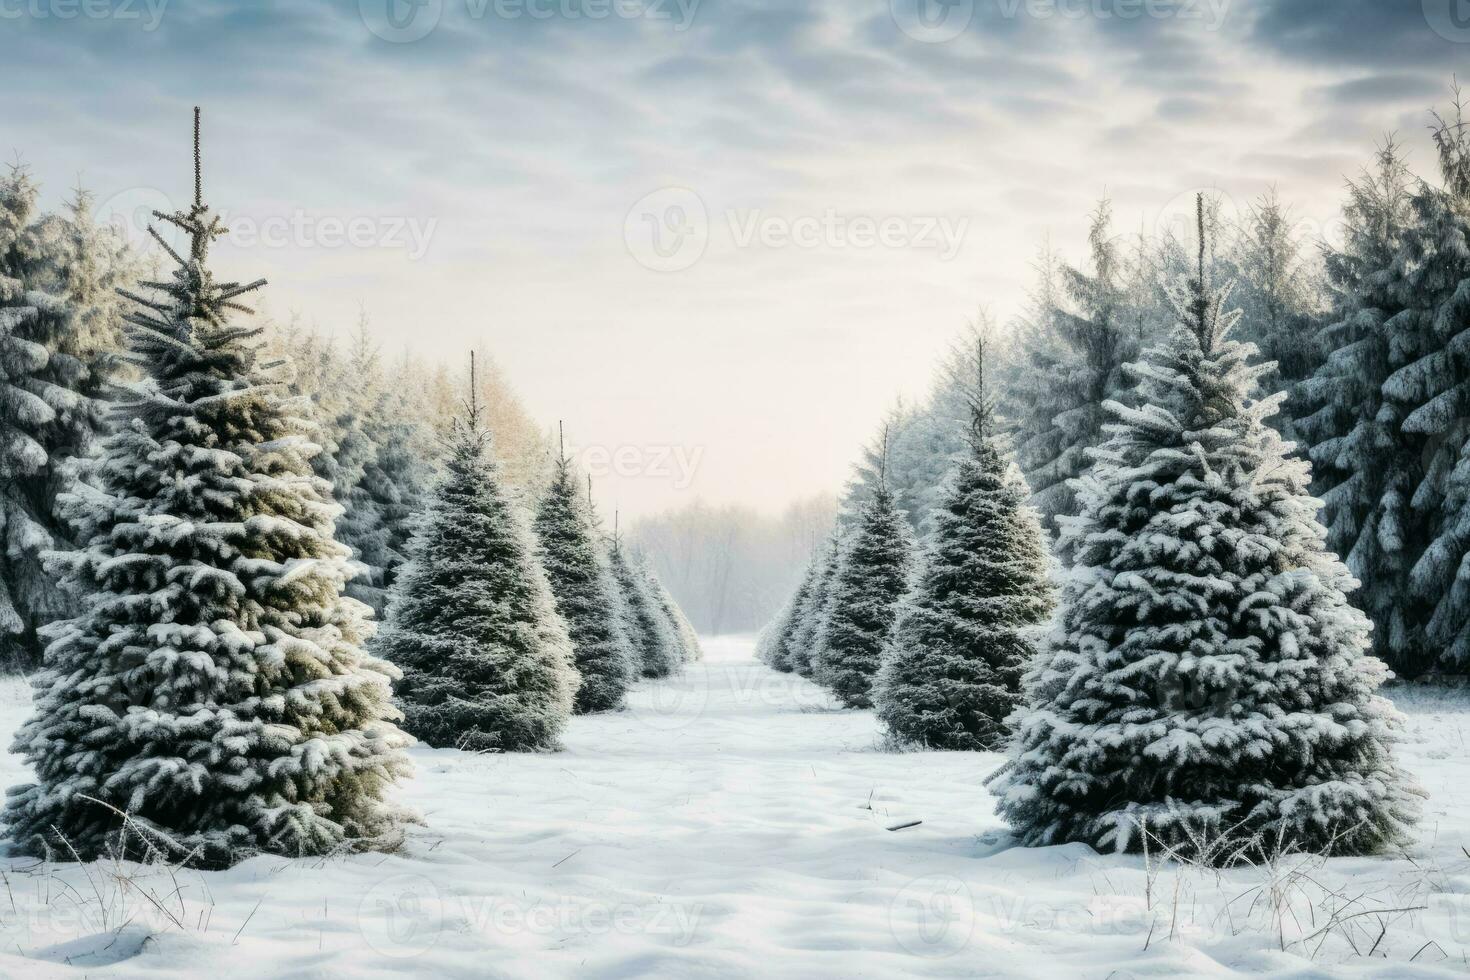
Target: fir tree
59, 328
1435, 259
1279, 295
952, 668
864, 600
1366, 465
657, 646
809, 627
1206, 677
214, 688
776, 643
487, 663
679, 625
1072, 369
584, 591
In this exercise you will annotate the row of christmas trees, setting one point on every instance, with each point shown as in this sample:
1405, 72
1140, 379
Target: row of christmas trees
208, 690
1365, 335
1204, 683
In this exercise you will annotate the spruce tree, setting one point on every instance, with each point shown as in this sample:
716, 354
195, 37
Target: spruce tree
809, 627
658, 648
775, 646
864, 600
487, 663
1207, 678
1435, 384
583, 588
214, 688
1072, 369
1279, 294
679, 625
952, 667
59, 330
1366, 465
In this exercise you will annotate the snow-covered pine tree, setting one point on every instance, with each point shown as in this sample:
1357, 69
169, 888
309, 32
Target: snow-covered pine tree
1071, 369
952, 667
584, 591
1280, 294
654, 640
487, 663
775, 647
864, 600
213, 688
1366, 466
1435, 259
399, 476
59, 329
679, 625
809, 627
1206, 676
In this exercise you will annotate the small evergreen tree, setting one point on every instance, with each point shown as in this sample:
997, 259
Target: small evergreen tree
679, 625
487, 663
213, 688
584, 591
1207, 677
952, 668
657, 646
864, 601
809, 627
775, 646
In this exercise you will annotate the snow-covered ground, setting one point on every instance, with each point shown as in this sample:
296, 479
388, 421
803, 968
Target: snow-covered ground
733, 823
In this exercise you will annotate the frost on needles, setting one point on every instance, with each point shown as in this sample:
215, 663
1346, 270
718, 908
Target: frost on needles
215, 689
585, 595
952, 667
486, 660
1207, 676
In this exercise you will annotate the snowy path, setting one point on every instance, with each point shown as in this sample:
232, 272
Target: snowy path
732, 824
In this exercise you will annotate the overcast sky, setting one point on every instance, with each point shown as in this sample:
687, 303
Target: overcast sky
724, 233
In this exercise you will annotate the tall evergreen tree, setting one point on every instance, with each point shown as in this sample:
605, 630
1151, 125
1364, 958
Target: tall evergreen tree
1279, 294
1207, 676
59, 329
952, 668
1071, 369
584, 591
1366, 465
214, 687
1435, 259
864, 601
487, 663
